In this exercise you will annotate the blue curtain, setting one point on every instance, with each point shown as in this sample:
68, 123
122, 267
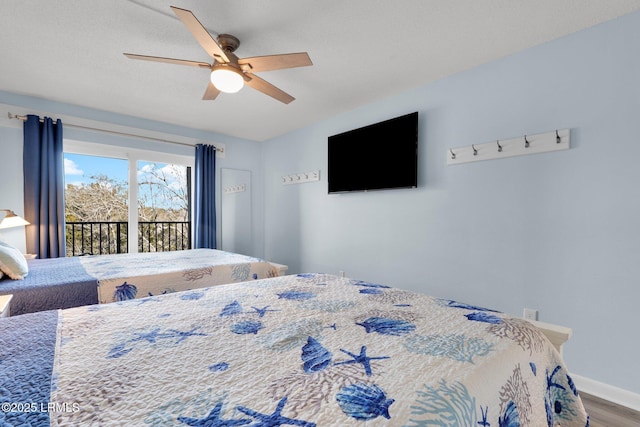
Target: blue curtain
44, 187
204, 223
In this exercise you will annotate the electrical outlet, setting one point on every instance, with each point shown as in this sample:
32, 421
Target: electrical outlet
530, 314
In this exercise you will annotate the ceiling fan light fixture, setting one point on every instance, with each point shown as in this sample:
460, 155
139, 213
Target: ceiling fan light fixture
228, 73
227, 79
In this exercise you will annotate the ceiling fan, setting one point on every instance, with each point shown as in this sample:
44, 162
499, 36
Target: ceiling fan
228, 72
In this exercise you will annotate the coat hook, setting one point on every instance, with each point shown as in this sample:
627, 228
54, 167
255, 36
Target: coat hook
499, 146
475, 150
558, 139
453, 155
526, 142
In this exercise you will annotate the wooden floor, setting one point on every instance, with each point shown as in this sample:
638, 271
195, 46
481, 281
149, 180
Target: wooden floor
606, 414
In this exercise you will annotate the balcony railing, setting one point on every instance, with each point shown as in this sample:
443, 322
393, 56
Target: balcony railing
100, 238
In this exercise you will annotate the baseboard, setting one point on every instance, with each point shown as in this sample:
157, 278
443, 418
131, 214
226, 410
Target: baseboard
607, 392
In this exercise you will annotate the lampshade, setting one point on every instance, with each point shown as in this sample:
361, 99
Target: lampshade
12, 220
226, 79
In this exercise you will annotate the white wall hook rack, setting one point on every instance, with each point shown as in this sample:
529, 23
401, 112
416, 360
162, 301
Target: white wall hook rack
302, 177
235, 189
527, 144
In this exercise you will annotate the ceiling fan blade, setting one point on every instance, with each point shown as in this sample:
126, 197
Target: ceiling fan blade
268, 89
168, 60
211, 93
209, 44
275, 62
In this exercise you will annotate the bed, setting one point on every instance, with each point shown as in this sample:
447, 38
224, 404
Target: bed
51, 284
305, 350
76, 281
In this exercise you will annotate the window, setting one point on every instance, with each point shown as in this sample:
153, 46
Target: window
96, 204
163, 207
111, 194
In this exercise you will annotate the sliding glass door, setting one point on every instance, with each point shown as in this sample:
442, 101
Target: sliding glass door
125, 204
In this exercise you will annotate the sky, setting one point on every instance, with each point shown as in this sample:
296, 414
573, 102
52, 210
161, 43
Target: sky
79, 168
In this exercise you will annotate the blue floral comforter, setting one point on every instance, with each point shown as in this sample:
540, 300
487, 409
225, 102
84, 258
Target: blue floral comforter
305, 350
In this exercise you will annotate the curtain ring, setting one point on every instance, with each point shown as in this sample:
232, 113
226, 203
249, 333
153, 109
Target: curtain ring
499, 146
475, 150
453, 155
558, 139
526, 142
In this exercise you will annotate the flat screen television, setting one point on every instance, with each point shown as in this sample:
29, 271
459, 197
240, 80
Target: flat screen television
376, 157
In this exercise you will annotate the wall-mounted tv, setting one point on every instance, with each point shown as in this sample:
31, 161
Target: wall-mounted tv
376, 157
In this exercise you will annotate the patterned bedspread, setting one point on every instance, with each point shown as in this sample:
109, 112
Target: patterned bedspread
72, 282
128, 276
305, 350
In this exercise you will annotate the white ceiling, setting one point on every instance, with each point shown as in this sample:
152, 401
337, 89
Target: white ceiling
363, 50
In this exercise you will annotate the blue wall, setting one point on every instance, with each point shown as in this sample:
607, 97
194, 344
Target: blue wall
558, 232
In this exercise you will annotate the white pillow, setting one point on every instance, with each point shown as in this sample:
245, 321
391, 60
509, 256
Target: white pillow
12, 262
